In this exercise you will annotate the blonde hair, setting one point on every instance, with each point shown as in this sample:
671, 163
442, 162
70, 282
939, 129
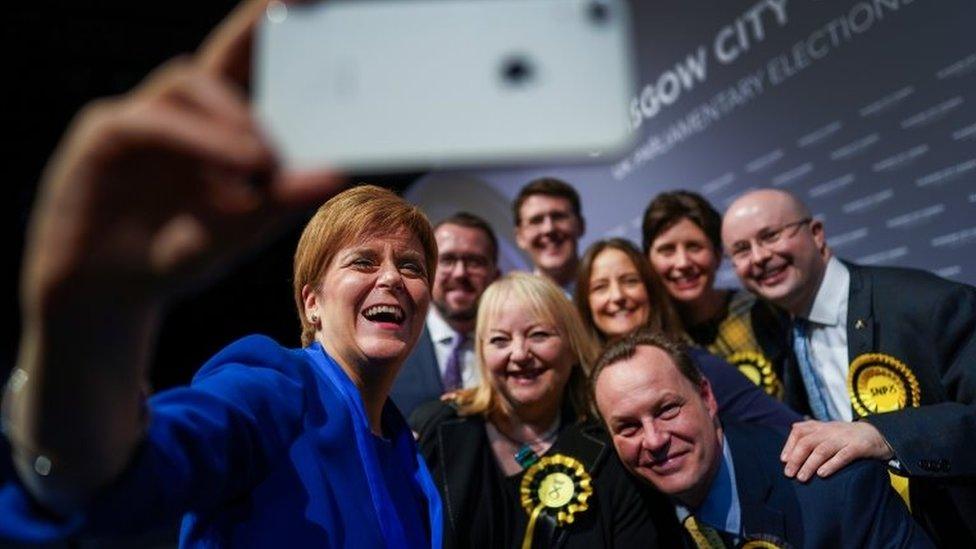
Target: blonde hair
346, 218
547, 302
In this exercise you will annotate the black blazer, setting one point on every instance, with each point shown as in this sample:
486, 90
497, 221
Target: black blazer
622, 512
929, 324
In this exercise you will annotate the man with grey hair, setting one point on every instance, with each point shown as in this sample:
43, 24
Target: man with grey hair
892, 349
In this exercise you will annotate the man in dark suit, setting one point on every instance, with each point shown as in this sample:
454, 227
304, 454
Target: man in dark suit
725, 479
443, 360
894, 349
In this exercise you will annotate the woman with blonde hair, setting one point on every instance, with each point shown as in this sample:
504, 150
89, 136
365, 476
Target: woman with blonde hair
492, 448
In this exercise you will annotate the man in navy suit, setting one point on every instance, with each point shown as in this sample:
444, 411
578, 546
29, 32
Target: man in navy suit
443, 360
725, 479
892, 349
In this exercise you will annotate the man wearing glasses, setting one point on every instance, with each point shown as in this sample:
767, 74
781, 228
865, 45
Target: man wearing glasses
443, 360
885, 359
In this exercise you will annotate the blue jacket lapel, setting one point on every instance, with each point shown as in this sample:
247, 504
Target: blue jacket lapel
754, 485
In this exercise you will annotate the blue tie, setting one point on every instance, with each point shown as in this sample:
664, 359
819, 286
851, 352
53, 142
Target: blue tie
815, 392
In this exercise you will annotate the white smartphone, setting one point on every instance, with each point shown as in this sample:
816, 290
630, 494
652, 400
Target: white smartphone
390, 85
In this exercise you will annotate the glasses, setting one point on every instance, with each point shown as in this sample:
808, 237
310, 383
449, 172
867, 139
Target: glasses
474, 264
765, 239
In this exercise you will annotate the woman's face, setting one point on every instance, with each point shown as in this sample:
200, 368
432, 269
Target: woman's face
685, 260
528, 360
618, 297
372, 300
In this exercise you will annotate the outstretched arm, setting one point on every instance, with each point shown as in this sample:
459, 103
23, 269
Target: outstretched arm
147, 195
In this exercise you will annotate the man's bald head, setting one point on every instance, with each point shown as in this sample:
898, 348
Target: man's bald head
750, 203
778, 250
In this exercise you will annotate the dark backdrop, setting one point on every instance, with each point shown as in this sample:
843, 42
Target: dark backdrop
59, 57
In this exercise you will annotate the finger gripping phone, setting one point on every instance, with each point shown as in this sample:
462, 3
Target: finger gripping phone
388, 85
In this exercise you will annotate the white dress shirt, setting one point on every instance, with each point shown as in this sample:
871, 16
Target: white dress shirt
827, 338
443, 336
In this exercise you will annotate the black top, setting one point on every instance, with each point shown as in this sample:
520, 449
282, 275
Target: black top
482, 506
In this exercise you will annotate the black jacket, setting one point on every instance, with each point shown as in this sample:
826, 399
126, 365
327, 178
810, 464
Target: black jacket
479, 511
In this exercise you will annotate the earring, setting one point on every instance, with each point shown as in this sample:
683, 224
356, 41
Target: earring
314, 318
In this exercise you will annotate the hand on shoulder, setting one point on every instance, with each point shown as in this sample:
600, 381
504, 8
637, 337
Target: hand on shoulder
825, 447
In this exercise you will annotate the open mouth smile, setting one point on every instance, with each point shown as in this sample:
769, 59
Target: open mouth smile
686, 281
525, 375
385, 314
668, 464
770, 276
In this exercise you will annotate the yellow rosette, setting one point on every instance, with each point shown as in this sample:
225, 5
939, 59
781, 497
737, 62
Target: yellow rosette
879, 383
763, 542
759, 370
558, 485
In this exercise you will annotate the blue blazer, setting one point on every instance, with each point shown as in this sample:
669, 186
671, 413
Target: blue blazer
738, 398
855, 507
268, 447
419, 380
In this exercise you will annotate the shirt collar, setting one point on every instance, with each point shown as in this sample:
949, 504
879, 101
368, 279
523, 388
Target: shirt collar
832, 294
440, 330
721, 508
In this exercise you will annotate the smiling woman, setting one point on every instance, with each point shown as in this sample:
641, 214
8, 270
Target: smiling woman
273, 445
361, 293
682, 241
148, 195
617, 294
490, 447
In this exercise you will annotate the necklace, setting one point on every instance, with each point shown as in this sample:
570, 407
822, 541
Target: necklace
526, 455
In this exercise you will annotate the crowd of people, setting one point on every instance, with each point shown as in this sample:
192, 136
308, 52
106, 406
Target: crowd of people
614, 398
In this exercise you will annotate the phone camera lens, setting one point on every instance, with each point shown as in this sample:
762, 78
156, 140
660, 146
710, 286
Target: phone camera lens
517, 70
598, 12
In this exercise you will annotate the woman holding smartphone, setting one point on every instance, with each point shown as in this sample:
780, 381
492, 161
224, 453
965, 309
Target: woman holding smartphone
147, 196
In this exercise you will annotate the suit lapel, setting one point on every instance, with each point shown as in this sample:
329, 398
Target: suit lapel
860, 322
428, 361
754, 487
462, 447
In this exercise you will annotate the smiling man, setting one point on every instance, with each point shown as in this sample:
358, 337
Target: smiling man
548, 226
893, 349
443, 360
725, 479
